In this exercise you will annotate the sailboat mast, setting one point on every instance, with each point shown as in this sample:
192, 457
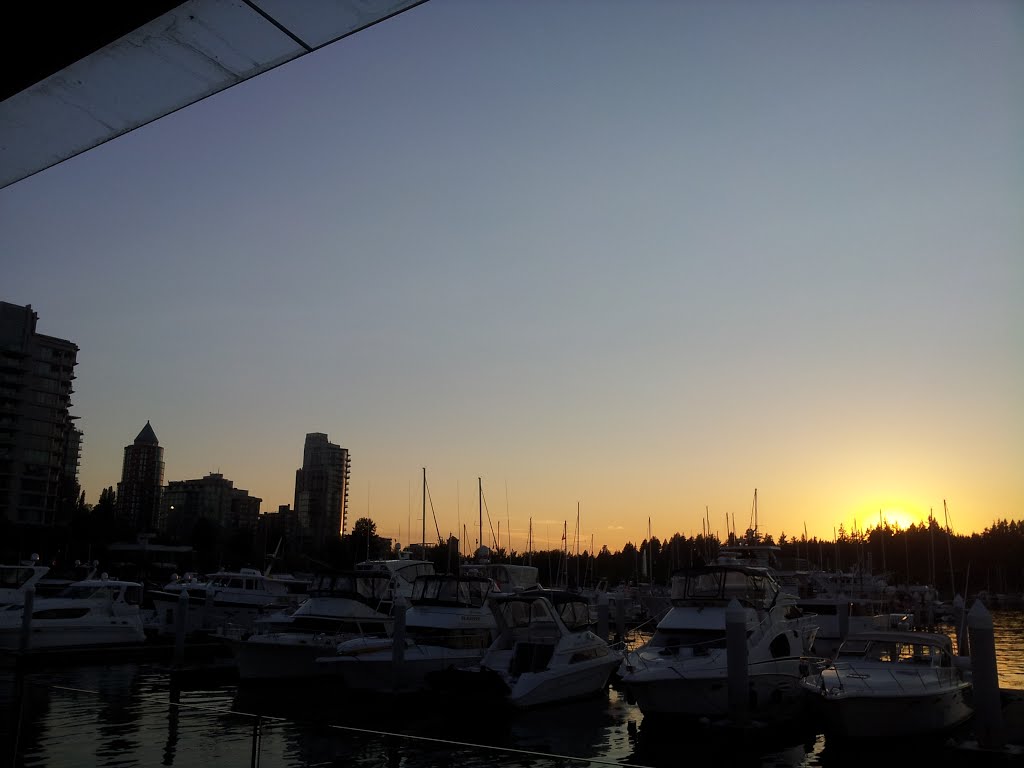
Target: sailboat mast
949, 551
577, 543
480, 506
423, 542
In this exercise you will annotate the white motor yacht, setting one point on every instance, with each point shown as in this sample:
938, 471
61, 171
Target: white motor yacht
544, 652
892, 684
89, 613
448, 625
683, 670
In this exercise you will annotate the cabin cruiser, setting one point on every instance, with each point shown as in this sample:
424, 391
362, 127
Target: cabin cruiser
683, 670
544, 652
448, 625
89, 613
339, 607
227, 601
891, 684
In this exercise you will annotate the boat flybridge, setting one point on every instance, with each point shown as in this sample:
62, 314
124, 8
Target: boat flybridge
16, 580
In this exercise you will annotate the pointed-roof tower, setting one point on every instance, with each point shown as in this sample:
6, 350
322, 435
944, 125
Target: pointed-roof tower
147, 436
142, 479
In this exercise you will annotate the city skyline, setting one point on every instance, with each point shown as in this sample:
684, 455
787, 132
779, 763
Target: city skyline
638, 267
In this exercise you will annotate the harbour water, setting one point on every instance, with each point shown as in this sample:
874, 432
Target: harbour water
135, 714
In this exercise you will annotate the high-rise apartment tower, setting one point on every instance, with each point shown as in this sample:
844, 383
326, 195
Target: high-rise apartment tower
321, 490
142, 479
39, 443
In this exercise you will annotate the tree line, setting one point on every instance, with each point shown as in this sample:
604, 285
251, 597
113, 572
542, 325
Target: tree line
924, 554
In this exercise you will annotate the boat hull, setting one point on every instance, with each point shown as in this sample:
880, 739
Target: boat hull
891, 717
774, 692
281, 656
531, 689
42, 636
377, 670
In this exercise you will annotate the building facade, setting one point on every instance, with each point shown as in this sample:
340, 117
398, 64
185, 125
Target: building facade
39, 443
214, 498
282, 527
321, 491
142, 479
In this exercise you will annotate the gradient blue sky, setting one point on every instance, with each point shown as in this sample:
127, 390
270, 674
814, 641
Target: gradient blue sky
636, 257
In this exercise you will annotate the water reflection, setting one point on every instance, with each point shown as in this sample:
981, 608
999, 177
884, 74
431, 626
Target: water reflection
1008, 629
662, 743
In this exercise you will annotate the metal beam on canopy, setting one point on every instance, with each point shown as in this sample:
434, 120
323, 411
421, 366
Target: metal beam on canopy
83, 76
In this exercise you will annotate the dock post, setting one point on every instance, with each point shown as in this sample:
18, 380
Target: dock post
962, 645
736, 655
602, 616
843, 617
206, 620
397, 642
988, 707
180, 625
25, 641
620, 619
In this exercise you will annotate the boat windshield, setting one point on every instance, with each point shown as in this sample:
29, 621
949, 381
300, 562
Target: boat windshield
454, 591
575, 614
369, 584
748, 585
523, 613
896, 651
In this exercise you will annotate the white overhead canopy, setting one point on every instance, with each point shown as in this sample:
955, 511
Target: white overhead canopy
191, 51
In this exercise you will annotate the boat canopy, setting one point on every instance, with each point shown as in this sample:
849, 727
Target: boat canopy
508, 577
357, 585
456, 591
721, 583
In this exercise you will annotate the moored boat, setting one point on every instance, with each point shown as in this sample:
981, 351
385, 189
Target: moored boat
544, 652
890, 685
87, 614
340, 607
448, 625
683, 670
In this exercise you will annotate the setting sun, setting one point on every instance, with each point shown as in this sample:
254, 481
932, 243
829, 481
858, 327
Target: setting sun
898, 517
896, 514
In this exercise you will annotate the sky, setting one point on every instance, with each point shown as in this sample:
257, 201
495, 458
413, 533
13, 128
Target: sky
615, 263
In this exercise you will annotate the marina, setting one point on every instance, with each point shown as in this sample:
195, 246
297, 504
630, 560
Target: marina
114, 712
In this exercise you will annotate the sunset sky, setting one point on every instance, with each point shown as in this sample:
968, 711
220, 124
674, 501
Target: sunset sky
632, 259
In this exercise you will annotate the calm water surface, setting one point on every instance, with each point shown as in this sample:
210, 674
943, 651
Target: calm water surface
130, 715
